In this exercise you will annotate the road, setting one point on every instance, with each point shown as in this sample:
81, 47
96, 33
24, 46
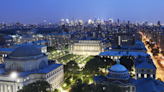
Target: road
160, 70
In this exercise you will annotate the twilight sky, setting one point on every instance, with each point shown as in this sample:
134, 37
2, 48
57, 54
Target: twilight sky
36, 11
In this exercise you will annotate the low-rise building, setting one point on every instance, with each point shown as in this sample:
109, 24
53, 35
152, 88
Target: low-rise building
144, 67
5, 40
117, 54
118, 75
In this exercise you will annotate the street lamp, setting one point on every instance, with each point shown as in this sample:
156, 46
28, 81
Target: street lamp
14, 75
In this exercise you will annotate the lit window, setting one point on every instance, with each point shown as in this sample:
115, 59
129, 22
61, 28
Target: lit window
145, 75
139, 75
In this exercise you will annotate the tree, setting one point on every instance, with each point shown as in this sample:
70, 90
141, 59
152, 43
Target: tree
127, 61
56, 90
159, 79
151, 46
71, 68
38, 86
101, 88
155, 52
50, 49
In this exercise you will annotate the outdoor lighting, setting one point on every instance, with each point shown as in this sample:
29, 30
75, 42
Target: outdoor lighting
71, 79
64, 85
13, 75
103, 88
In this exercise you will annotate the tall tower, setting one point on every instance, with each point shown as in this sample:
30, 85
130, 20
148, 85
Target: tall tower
95, 19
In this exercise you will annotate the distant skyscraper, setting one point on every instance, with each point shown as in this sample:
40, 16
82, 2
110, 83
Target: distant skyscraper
67, 20
118, 21
73, 19
158, 24
89, 21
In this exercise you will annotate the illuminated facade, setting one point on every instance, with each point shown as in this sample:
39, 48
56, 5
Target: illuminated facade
30, 66
86, 47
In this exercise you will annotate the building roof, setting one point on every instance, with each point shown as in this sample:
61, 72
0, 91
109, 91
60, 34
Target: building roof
44, 70
25, 51
149, 85
118, 68
99, 78
144, 63
116, 53
7, 49
37, 46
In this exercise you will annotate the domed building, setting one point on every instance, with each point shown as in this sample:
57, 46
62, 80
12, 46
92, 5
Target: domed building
118, 72
28, 64
119, 75
26, 58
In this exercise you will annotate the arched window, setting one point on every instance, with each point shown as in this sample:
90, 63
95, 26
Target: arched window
15, 66
42, 64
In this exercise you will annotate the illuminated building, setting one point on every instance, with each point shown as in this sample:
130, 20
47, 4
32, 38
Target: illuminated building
29, 65
119, 75
86, 47
124, 39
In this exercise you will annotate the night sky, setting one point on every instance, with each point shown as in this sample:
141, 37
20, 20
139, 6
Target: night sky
36, 11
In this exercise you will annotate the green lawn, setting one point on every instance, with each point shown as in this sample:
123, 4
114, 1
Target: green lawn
67, 57
87, 59
79, 60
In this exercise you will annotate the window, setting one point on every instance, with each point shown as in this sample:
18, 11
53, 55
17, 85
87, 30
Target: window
18, 87
18, 80
139, 75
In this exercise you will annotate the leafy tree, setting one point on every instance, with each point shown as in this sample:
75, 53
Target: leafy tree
151, 45
127, 61
56, 90
155, 52
101, 88
38, 86
159, 79
71, 68
50, 49
91, 67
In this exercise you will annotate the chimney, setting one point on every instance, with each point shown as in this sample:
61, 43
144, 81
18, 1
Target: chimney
119, 52
127, 52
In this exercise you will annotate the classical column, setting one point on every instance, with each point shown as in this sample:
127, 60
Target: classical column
10, 88
5, 88
1, 88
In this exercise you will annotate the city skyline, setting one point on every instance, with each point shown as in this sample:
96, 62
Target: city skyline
30, 12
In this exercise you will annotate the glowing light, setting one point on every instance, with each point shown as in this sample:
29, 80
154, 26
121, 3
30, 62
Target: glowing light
13, 75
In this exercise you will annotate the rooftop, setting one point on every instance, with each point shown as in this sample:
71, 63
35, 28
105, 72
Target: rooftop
116, 53
25, 51
7, 49
149, 85
144, 63
44, 70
